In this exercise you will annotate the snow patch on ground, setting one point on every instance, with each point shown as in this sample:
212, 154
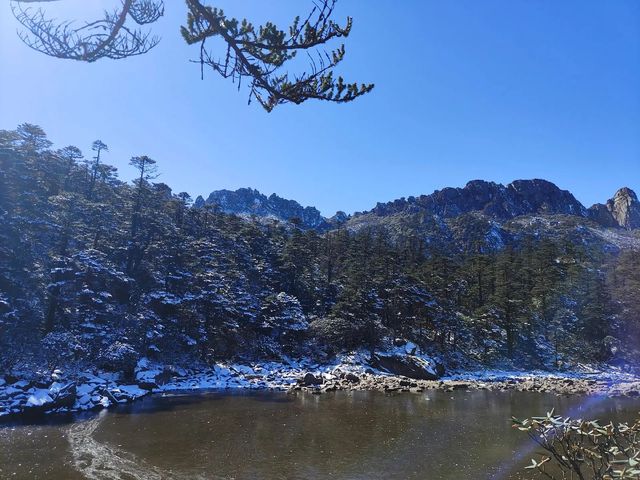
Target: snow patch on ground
39, 397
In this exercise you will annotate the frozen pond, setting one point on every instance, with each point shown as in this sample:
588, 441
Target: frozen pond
342, 435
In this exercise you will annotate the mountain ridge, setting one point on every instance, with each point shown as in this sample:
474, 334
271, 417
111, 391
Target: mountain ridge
494, 200
251, 202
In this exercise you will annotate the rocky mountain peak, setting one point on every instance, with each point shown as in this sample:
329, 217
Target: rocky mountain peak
623, 210
340, 217
521, 197
199, 202
249, 201
542, 196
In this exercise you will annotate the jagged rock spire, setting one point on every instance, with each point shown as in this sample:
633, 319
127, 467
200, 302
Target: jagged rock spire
625, 208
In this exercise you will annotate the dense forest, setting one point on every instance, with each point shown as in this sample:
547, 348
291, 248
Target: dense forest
101, 271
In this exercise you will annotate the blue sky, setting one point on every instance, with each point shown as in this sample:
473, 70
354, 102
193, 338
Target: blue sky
465, 89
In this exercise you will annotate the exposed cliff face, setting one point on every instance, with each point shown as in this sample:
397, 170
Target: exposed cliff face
486, 216
483, 201
521, 197
600, 214
623, 210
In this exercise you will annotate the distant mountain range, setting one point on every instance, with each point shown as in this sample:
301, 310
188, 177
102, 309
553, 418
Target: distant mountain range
493, 201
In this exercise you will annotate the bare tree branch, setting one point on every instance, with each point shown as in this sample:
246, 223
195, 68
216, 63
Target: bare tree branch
109, 37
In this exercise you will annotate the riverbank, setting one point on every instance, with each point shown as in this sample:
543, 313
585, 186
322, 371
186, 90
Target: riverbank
78, 390
558, 383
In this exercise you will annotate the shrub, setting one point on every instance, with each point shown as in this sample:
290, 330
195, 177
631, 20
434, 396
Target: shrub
583, 449
120, 357
61, 347
347, 333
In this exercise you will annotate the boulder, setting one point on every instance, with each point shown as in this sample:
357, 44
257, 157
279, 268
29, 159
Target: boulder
310, 379
352, 378
407, 366
163, 377
147, 385
42, 401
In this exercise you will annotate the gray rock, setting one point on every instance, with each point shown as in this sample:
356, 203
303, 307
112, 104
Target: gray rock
147, 385
352, 378
407, 366
623, 210
310, 379
62, 399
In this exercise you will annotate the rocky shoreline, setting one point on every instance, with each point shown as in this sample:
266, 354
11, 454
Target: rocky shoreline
524, 382
82, 390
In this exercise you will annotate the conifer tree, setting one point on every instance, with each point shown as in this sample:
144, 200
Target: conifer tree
70, 156
98, 146
148, 171
256, 55
31, 139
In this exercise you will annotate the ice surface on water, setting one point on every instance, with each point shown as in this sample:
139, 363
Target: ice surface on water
101, 461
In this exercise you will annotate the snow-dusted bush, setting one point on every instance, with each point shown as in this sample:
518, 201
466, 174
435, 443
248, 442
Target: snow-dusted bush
338, 334
62, 346
283, 312
120, 357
